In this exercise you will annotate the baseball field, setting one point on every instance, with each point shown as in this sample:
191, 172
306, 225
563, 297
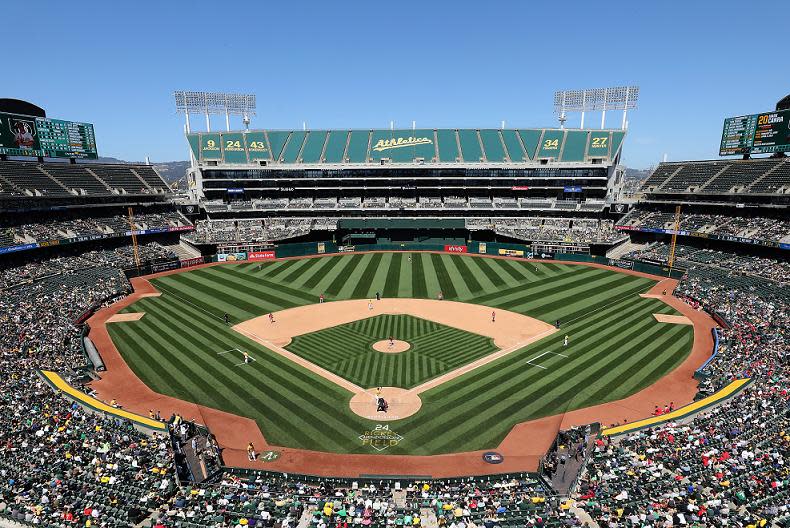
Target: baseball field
471, 382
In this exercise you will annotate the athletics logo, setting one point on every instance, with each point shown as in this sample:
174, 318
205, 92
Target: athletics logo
380, 438
411, 141
269, 456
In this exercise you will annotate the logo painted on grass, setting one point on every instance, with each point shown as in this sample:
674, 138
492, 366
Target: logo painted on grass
269, 456
380, 438
492, 457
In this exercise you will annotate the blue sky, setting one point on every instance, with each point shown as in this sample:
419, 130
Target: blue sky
362, 64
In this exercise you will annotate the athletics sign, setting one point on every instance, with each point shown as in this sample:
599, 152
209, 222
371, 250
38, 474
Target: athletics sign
400, 142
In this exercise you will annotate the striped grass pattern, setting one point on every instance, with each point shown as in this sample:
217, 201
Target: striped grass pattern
347, 350
616, 346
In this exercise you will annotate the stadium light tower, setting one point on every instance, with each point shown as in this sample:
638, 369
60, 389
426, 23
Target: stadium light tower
208, 103
615, 98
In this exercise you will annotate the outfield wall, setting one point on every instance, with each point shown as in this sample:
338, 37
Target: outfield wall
501, 249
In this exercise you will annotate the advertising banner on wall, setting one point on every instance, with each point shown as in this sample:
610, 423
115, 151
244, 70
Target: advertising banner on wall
625, 264
455, 249
482, 248
321, 247
232, 257
260, 255
165, 266
511, 252
186, 263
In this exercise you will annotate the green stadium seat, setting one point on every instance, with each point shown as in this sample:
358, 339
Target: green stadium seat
470, 145
336, 146
313, 146
294, 146
277, 141
530, 139
358, 146
448, 145
575, 143
617, 139
514, 149
492, 145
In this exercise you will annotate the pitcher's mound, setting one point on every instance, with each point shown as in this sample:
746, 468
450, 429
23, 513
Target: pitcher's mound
397, 346
400, 404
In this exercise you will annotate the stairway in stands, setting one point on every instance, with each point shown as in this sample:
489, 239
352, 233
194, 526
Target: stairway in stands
428, 518
624, 248
183, 250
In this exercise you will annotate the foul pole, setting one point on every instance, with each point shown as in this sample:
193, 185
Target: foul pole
133, 230
671, 259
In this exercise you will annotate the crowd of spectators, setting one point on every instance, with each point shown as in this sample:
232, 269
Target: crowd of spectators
258, 230
59, 229
267, 500
62, 465
727, 264
757, 228
568, 230
728, 466
120, 257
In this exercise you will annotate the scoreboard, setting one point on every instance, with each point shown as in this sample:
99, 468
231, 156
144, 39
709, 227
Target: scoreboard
756, 134
22, 135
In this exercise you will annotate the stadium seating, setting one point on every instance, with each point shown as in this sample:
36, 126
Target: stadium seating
756, 176
692, 176
27, 178
54, 180
739, 175
75, 227
120, 178
151, 178
758, 228
77, 178
726, 465
732, 464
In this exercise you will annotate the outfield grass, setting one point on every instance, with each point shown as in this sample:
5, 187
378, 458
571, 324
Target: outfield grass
617, 348
347, 351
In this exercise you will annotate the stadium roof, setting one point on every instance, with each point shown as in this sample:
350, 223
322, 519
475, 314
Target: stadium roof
420, 146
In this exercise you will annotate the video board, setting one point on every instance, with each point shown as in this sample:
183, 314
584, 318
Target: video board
756, 134
22, 135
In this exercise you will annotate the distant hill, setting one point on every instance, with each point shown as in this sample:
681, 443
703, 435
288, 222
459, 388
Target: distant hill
637, 174
171, 171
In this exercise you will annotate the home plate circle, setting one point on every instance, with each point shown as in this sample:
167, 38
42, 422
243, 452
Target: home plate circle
391, 347
399, 403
